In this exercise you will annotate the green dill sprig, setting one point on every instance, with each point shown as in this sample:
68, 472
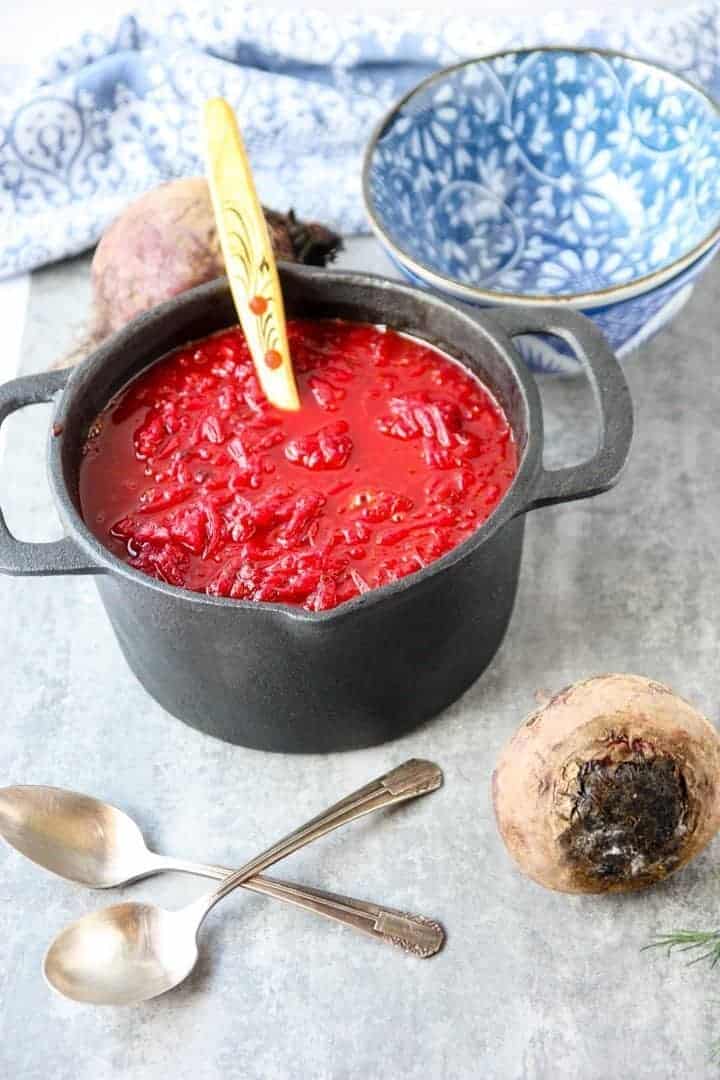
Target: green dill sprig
705, 943
702, 945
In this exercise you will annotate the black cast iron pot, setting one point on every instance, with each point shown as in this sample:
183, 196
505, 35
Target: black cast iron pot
276, 677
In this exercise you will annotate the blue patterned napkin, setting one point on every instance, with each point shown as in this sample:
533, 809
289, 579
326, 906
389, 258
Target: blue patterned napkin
116, 113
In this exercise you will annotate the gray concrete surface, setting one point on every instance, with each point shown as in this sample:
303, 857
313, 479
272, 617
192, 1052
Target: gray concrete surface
531, 984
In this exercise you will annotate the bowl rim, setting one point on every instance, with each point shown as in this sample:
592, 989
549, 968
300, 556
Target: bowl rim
515, 502
584, 300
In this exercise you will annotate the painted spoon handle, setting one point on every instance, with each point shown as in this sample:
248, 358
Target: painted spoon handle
248, 254
413, 778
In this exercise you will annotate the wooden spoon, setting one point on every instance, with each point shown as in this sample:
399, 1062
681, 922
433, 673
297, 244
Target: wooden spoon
248, 255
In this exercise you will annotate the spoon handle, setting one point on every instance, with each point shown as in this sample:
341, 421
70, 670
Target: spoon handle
248, 254
414, 778
415, 934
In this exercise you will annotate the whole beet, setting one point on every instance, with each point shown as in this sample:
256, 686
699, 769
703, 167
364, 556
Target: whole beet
165, 243
611, 786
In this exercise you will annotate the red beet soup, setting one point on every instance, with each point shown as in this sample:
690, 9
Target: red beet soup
397, 455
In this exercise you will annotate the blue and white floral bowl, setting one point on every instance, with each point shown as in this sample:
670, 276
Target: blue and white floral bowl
567, 176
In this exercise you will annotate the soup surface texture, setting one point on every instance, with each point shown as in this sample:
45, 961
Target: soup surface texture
397, 455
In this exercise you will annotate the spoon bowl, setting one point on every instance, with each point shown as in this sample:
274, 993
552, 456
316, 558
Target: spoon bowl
122, 955
74, 836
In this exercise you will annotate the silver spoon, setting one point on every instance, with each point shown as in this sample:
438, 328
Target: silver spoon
90, 842
134, 951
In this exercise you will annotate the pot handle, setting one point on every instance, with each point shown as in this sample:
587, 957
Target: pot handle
612, 397
17, 556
